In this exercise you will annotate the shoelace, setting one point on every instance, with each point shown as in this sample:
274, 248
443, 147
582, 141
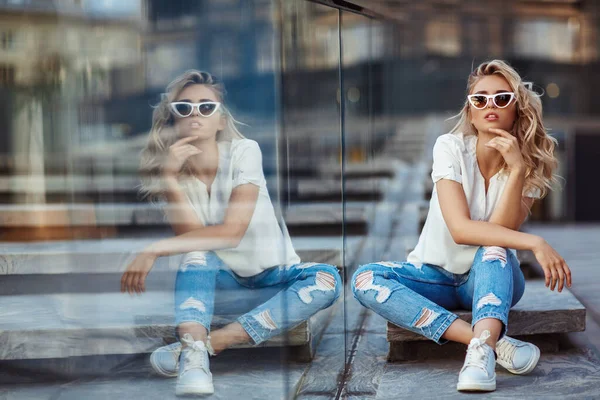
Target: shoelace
476, 354
209, 347
194, 356
176, 348
505, 349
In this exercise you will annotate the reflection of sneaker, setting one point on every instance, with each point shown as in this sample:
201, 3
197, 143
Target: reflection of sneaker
516, 356
477, 373
165, 360
194, 372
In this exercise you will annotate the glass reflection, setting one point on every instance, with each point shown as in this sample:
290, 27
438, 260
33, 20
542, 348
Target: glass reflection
238, 262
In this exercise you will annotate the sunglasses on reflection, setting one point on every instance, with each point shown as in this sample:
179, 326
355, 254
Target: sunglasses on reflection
184, 109
481, 101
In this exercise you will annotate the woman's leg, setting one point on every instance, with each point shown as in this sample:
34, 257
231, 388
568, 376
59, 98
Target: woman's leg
232, 298
306, 289
415, 298
494, 285
194, 296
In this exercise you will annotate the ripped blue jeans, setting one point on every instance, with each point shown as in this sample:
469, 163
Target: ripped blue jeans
418, 298
266, 304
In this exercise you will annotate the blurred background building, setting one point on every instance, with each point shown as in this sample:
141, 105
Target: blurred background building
86, 71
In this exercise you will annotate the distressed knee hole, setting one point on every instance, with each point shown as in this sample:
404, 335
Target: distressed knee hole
364, 281
489, 299
324, 281
265, 319
198, 261
426, 318
494, 253
193, 303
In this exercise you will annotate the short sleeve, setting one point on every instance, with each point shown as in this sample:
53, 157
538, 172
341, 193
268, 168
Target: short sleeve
532, 192
247, 164
445, 164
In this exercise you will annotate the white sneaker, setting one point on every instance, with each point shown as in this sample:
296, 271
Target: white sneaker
516, 356
477, 373
165, 359
194, 373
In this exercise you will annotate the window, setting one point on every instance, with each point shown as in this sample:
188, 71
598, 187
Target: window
550, 39
7, 40
442, 36
7, 75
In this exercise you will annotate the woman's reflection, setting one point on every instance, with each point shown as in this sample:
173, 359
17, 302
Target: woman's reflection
238, 261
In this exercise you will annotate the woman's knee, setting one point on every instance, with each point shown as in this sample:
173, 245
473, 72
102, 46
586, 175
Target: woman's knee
364, 281
328, 279
492, 255
206, 261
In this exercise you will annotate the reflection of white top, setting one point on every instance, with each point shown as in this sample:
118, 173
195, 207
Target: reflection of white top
264, 244
454, 157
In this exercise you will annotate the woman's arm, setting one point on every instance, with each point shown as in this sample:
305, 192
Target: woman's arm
455, 211
513, 208
226, 235
215, 237
180, 213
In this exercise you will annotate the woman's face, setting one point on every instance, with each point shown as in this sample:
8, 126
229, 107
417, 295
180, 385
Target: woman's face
492, 116
196, 124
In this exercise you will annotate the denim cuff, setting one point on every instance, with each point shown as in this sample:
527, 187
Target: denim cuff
437, 336
254, 335
499, 316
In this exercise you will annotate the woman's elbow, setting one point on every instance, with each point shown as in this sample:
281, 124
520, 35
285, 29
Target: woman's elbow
236, 234
458, 235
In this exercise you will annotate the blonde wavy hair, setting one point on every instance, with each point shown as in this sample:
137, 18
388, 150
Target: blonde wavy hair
537, 147
162, 134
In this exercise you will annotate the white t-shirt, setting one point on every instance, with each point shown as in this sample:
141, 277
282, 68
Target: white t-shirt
454, 157
264, 244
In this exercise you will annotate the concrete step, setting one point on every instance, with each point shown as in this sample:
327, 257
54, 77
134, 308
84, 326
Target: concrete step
65, 183
52, 189
303, 219
539, 312
50, 326
331, 189
95, 266
377, 168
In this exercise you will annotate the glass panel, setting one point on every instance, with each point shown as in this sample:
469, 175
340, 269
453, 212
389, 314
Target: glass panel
310, 163
89, 120
371, 177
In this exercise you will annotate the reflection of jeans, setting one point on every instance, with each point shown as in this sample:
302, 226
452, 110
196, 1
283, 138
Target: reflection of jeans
273, 301
417, 298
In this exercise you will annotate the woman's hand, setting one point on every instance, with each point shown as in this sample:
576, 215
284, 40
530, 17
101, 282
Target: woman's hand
134, 278
179, 152
508, 146
555, 268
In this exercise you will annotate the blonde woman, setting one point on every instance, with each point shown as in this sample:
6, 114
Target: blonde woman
238, 260
487, 171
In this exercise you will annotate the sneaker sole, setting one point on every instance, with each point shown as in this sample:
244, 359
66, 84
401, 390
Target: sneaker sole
526, 369
181, 390
160, 371
477, 386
